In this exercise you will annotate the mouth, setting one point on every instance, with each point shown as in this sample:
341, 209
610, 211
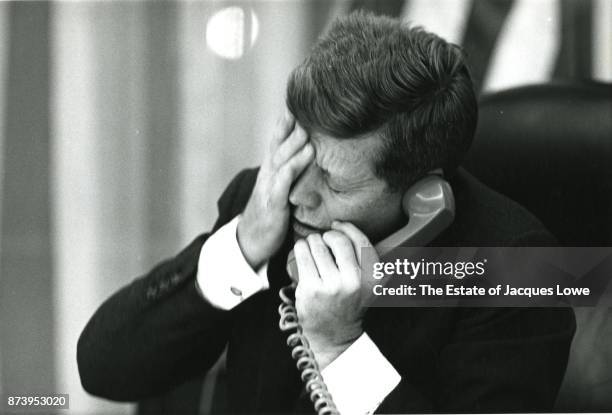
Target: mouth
302, 230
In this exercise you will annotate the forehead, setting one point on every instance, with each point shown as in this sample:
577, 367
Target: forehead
346, 157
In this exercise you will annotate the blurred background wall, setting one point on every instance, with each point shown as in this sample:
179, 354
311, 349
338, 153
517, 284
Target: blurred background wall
121, 123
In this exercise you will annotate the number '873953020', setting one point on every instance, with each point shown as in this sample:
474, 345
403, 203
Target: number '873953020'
52, 400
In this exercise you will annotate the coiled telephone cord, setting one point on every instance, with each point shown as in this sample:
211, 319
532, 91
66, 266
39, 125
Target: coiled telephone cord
301, 352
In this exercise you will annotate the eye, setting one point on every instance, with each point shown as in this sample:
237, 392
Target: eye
328, 182
333, 188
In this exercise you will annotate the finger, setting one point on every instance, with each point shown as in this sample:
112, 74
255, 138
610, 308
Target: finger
342, 248
290, 171
293, 144
307, 268
357, 237
284, 126
322, 257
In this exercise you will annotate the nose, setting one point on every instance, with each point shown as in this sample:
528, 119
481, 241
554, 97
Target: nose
304, 192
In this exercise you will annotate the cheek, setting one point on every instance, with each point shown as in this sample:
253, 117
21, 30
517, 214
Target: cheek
334, 208
351, 212
372, 215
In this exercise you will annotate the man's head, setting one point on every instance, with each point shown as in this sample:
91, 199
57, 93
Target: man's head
384, 104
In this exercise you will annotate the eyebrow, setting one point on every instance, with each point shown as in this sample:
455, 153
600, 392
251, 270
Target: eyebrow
340, 181
324, 170
337, 180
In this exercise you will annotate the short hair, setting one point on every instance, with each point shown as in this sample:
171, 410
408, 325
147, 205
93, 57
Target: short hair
375, 74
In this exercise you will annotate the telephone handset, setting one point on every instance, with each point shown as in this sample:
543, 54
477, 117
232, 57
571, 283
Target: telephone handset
429, 205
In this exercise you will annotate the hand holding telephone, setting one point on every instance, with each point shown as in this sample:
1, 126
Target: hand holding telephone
429, 205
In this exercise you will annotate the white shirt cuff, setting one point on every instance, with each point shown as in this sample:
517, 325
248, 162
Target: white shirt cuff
360, 378
225, 279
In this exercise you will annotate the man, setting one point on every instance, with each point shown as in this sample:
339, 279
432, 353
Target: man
375, 107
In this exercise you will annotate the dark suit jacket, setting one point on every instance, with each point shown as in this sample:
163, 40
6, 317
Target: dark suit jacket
157, 332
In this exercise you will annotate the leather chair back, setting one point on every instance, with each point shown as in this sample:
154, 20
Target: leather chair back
549, 147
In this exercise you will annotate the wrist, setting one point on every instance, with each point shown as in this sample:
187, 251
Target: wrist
326, 351
247, 245
324, 358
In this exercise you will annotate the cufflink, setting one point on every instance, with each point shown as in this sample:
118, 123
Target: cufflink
236, 292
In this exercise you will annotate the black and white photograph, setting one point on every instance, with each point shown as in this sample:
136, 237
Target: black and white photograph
305, 207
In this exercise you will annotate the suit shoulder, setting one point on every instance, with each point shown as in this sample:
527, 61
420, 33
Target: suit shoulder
486, 217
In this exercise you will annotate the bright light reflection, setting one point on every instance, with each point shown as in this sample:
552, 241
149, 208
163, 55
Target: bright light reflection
227, 32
